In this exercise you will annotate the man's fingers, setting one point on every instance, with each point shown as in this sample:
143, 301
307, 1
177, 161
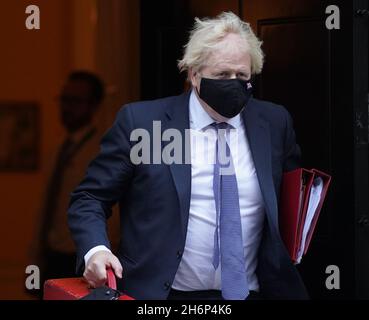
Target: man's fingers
91, 283
95, 272
116, 266
95, 279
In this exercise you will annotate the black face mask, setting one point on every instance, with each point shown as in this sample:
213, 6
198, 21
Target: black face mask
227, 97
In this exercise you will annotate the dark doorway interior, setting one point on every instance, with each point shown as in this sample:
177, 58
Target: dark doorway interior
163, 33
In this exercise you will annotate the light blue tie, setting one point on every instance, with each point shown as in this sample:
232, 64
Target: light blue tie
228, 226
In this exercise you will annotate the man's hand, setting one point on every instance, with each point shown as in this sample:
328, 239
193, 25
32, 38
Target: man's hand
95, 271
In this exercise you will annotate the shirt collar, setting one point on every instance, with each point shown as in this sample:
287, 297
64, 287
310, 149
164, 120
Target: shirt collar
200, 119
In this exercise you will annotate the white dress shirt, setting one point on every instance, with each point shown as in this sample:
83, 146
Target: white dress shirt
196, 271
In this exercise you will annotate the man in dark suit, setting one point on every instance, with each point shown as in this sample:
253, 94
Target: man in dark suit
197, 177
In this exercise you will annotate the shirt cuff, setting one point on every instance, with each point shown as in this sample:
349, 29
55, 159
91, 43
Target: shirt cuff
92, 251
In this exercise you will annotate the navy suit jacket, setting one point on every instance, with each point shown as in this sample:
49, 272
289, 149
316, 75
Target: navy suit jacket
154, 199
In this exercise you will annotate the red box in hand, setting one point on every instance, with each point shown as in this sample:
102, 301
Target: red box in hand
75, 288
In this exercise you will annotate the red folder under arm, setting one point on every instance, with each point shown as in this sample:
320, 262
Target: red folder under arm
293, 207
326, 182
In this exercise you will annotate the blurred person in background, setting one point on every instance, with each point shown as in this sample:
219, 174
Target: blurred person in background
80, 99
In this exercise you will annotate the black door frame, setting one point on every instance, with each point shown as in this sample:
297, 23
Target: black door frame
360, 109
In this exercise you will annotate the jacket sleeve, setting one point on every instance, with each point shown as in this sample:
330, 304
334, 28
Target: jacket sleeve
292, 152
106, 178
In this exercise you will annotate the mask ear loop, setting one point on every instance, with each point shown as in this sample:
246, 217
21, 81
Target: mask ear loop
253, 80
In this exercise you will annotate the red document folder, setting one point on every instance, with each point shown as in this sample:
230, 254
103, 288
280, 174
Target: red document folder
299, 209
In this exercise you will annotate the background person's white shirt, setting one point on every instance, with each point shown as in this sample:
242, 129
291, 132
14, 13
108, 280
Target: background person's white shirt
196, 271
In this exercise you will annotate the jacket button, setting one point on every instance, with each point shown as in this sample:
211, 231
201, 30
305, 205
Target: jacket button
179, 254
166, 285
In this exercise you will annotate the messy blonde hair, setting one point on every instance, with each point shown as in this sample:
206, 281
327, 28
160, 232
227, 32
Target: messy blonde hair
206, 35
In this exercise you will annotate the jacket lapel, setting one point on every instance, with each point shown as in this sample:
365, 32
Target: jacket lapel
258, 135
178, 118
